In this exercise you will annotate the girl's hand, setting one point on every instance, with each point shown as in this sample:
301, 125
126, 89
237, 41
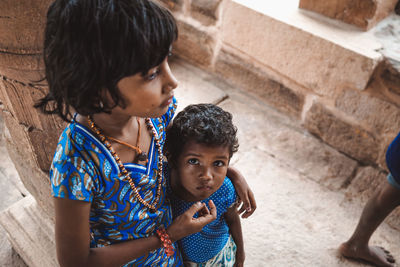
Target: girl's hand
246, 203
185, 224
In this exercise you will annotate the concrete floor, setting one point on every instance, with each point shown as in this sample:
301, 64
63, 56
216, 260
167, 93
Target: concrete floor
299, 221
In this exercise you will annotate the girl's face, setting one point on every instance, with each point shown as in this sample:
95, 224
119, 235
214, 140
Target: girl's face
149, 95
201, 170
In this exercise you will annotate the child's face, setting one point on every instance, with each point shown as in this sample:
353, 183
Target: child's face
148, 96
201, 170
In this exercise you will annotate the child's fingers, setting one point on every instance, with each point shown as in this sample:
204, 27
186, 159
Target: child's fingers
196, 207
211, 216
204, 211
213, 209
241, 207
253, 206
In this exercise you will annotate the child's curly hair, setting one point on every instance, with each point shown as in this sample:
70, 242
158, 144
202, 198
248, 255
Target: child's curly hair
203, 123
90, 45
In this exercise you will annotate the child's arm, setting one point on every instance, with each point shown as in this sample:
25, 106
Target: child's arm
233, 220
73, 235
244, 192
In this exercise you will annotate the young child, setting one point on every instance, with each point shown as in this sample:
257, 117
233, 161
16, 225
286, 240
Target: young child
107, 62
381, 204
199, 146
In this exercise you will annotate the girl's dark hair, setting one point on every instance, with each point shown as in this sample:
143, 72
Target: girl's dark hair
203, 123
92, 44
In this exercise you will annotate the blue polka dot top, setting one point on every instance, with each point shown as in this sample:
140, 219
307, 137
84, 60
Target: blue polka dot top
204, 245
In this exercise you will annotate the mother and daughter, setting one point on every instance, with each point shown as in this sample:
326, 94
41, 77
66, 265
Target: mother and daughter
108, 75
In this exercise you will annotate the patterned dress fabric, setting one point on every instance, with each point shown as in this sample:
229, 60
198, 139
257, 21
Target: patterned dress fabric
206, 244
83, 169
225, 258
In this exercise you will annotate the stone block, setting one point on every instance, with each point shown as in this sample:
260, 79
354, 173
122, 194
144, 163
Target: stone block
391, 79
21, 30
196, 43
42, 131
23, 68
241, 72
22, 26
362, 13
367, 181
21, 152
17, 99
31, 233
379, 115
288, 41
8, 256
277, 136
206, 11
345, 137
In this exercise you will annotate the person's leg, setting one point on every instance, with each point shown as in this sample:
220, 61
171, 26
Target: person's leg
375, 211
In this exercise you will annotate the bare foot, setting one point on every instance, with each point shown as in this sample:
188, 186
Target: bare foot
376, 256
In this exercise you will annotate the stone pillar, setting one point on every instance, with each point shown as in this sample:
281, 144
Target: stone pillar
199, 24
362, 13
31, 136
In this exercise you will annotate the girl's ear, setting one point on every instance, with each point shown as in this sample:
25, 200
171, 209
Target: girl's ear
171, 161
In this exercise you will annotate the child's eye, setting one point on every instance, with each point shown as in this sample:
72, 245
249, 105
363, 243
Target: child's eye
153, 75
193, 161
219, 163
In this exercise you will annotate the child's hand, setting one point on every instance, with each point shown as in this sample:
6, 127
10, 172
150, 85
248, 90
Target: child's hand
246, 203
185, 224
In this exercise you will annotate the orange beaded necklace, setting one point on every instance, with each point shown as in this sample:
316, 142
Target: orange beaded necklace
140, 156
124, 172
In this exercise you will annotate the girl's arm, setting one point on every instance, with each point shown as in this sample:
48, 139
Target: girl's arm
73, 235
233, 220
246, 196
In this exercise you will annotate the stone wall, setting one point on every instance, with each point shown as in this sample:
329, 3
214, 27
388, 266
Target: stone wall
31, 137
325, 74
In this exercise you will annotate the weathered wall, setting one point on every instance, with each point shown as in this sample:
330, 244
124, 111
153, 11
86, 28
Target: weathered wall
32, 136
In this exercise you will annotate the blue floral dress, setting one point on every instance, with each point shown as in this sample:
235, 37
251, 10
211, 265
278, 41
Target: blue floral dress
83, 169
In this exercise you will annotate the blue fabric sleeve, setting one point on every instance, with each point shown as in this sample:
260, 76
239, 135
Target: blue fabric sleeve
392, 181
393, 158
231, 196
69, 173
167, 117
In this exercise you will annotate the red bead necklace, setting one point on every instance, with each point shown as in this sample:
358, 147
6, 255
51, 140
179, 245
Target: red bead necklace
124, 172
